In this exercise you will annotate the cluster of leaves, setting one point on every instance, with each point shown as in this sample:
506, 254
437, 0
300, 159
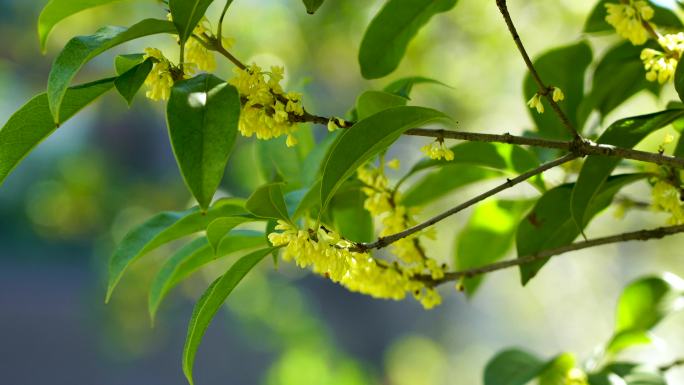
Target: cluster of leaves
203, 115
642, 305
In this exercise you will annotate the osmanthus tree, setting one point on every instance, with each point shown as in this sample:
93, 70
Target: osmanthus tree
338, 210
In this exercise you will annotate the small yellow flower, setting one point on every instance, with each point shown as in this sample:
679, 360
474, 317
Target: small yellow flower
394, 164
438, 150
536, 102
628, 17
667, 198
159, 81
558, 94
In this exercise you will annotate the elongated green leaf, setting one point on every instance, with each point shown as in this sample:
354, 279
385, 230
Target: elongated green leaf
58, 10
390, 32
512, 367
192, 257
123, 63
403, 87
186, 14
203, 115
130, 81
33, 122
562, 67
550, 223
367, 138
679, 81
596, 22
487, 237
82, 49
642, 305
618, 76
309, 200
351, 219
221, 227
312, 5
444, 181
372, 102
624, 133
211, 301
161, 229
268, 202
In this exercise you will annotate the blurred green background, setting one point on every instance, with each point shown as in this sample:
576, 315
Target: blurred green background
108, 169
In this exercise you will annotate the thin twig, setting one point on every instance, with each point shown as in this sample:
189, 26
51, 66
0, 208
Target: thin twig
641, 235
544, 90
672, 365
385, 241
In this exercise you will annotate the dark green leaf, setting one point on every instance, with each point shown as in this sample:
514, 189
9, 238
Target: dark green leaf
186, 14
487, 237
203, 115
311, 199
130, 81
268, 202
443, 181
550, 223
312, 5
596, 22
642, 305
679, 81
58, 10
512, 367
403, 87
367, 138
372, 102
351, 219
123, 63
390, 32
163, 228
33, 122
561, 67
193, 256
221, 227
211, 301
624, 133
82, 49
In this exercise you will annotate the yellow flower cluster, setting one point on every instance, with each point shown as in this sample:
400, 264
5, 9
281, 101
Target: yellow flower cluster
159, 81
383, 203
628, 17
536, 102
327, 254
659, 65
267, 108
438, 150
197, 56
667, 198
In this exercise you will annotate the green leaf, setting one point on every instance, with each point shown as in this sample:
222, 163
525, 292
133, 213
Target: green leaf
221, 227
512, 367
309, 200
403, 87
192, 257
562, 67
550, 224
33, 122
367, 138
312, 5
211, 301
642, 305
626, 133
123, 63
268, 202
186, 14
619, 75
82, 49
556, 371
372, 102
679, 81
203, 115
391, 31
596, 22
58, 10
490, 158
160, 229
487, 237
130, 81
351, 219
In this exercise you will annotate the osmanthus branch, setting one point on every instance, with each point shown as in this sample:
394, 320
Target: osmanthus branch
544, 89
641, 235
385, 241
672, 365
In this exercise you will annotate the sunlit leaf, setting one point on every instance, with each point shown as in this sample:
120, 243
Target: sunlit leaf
211, 301
33, 122
512, 367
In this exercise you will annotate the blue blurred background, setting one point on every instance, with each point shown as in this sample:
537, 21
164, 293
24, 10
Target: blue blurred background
108, 169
